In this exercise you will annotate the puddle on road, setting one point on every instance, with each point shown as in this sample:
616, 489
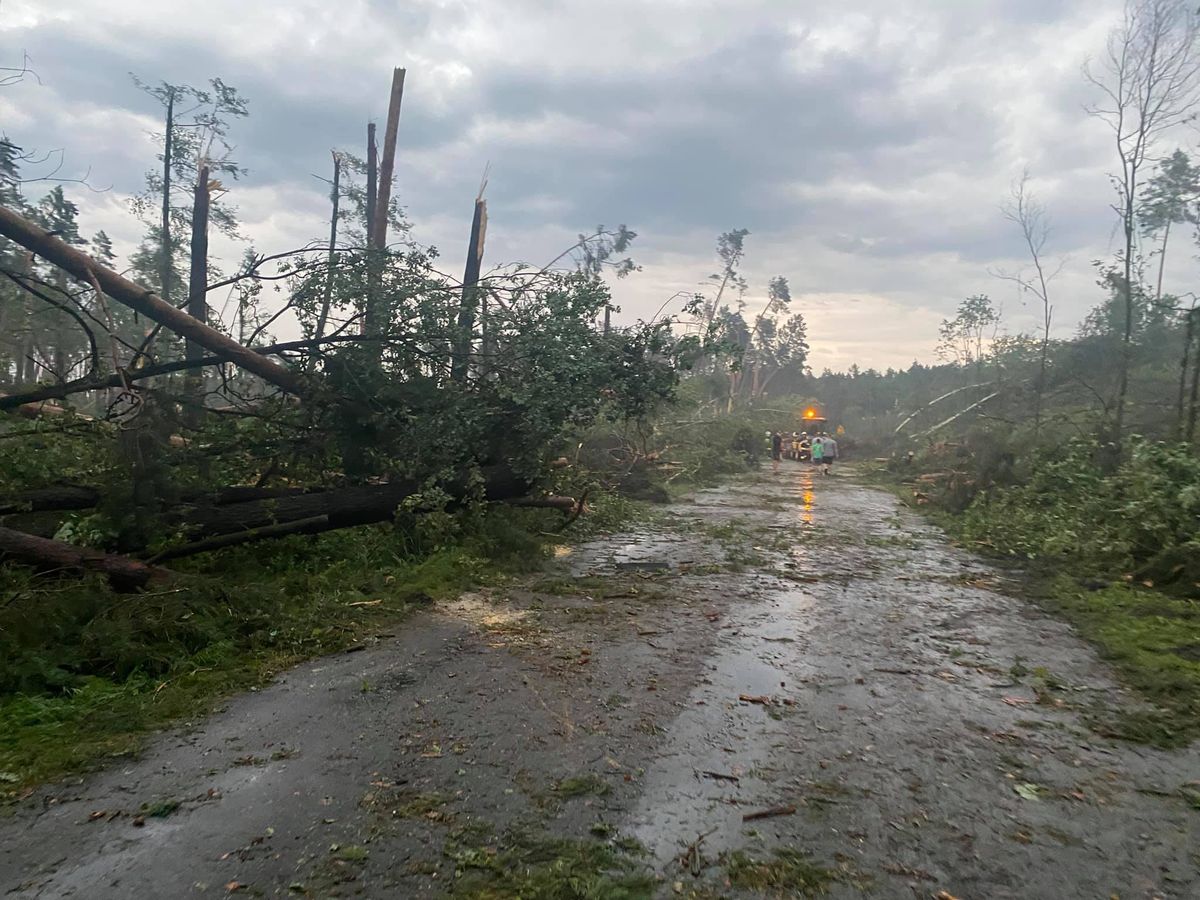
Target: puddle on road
721, 736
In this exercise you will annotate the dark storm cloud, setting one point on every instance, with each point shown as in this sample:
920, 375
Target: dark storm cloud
857, 143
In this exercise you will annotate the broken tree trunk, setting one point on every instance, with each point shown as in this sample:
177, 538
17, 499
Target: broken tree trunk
387, 163
379, 206
372, 181
957, 415
28, 400
936, 400
327, 300
562, 504
123, 572
26, 397
366, 326
197, 305
470, 292
81, 266
166, 261
345, 507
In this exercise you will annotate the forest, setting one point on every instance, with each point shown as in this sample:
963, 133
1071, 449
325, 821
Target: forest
211, 472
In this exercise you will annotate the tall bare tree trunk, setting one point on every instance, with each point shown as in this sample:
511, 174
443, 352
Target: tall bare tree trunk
165, 268
470, 292
373, 317
387, 164
1127, 335
335, 197
1193, 402
1162, 259
364, 326
372, 182
197, 305
1188, 337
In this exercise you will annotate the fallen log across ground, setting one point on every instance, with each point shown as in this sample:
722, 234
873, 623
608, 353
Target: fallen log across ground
237, 523
356, 506
54, 497
344, 507
562, 504
301, 526
61, 497
124, 573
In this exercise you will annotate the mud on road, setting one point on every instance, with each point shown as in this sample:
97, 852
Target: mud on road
789, 685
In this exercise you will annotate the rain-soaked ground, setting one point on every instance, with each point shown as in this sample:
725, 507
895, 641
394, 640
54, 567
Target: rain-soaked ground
793, 662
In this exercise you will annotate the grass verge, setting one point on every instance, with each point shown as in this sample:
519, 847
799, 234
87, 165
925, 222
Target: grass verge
87, 674
1153, 640
786, 873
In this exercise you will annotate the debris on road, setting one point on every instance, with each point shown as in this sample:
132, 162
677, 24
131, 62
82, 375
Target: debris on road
771, 813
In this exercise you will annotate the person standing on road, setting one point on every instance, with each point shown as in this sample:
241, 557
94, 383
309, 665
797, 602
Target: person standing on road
830, 453
818, 450
776, 450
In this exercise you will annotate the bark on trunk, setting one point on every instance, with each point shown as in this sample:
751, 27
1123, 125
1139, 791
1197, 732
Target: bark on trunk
327, 300
380, 205
47, 554
370, 307
372, 182
345, 507
165, 258
300, 526
387, 163
197, 305
138, 298
77, 496
470, 293
1189, 333
56, 497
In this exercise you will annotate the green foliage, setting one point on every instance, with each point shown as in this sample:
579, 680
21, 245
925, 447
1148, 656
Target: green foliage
582, 786
549, 869
1154, 641
685, 446
1169, 196
53, 451
965, 338
1098, 541
787, 873
1070, 507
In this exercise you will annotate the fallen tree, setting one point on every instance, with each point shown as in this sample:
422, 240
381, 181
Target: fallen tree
52, 498
55, 250
300, 526
341, 508
65, 497
275, 514
47, 554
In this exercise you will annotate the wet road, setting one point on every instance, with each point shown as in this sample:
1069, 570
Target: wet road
791, 643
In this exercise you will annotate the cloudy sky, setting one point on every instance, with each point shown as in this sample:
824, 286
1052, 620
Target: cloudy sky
867, 145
